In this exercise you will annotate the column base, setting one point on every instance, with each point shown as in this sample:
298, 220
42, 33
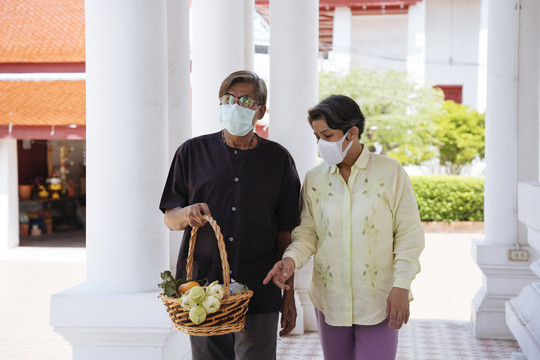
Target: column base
523, 319
503, 280
518, 356
299, 328
116, 326
303, 278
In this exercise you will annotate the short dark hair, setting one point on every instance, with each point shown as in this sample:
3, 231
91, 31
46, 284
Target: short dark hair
340, 112
246, 76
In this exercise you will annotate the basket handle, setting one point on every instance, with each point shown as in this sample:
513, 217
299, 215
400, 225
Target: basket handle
222, 254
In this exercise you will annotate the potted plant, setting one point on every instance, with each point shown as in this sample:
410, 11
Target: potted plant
25, 223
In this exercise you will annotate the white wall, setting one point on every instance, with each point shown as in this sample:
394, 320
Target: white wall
9, 199
380, 41
452, 41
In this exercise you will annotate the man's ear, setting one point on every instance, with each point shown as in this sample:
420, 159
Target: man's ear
262, 111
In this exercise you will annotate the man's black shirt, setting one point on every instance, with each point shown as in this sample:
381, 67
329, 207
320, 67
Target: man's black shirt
252, 194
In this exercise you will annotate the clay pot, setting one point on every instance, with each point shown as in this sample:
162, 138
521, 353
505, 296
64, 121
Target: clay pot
24, 229
25, 191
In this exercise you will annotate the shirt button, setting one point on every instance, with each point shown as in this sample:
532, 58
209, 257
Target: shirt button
235, 152
233, 208
230, 272
231, 238
236, 179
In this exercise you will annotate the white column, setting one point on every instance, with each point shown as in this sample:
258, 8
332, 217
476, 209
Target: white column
249, 35
127, 162
482, 58
294, 89
511, 157
523, 311
340, 56
179, 107
416, 42
9, 197
217, 49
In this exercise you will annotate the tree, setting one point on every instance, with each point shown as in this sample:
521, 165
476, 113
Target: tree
460, 135
399, 112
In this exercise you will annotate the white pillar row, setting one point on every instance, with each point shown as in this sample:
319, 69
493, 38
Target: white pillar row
9, 197
416, 42
294, 89
116, 314
179, 87
511, 157
218, 47
340, 56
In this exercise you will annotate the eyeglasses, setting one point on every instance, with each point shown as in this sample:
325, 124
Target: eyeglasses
245, 101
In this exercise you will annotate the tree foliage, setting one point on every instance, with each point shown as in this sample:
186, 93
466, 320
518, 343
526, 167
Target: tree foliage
399, 112
460, 136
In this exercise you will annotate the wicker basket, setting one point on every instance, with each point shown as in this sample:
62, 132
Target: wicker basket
230, 317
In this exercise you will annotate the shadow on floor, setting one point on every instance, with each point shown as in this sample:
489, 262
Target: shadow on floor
66, 238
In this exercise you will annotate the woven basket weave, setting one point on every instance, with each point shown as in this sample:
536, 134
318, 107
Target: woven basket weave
230, 317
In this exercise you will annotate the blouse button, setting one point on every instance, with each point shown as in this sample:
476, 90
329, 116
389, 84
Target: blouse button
233, 208
235, 152
231, 238
236, 179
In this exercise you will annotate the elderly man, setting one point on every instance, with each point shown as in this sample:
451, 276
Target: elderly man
250, 187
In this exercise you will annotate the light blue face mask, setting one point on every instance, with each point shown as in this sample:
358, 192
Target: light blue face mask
237, 120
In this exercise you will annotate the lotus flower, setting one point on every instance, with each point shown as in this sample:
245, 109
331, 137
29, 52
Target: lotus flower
211, 304
187, 303
197, 294
216, 290
197, 314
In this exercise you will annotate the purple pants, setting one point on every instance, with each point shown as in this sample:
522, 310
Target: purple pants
359, 342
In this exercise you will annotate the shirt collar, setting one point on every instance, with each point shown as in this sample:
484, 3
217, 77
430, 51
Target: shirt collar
360, 163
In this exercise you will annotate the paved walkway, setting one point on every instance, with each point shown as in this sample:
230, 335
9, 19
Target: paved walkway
439, 326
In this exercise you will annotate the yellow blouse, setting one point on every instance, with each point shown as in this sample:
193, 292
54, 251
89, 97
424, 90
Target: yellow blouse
365, 236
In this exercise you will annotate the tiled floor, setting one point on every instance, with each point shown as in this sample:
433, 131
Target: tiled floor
439, 328
418, 340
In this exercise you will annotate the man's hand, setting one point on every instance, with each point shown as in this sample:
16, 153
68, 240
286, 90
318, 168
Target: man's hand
397, 307
180, 218
288, 313
195, 214
280, 273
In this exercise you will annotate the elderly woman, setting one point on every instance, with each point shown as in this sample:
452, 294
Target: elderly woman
360, 221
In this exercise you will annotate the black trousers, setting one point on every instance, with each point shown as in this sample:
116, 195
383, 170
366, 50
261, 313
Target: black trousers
256, 341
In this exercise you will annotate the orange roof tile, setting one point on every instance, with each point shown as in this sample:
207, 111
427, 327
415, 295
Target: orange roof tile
41, 103
38, 31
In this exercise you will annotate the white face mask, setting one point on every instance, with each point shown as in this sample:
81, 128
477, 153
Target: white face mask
237, 120
331, 151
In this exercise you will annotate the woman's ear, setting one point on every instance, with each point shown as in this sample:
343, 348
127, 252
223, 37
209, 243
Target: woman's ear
353, 133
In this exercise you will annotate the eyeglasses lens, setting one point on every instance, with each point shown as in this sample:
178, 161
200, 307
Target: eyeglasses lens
245, 101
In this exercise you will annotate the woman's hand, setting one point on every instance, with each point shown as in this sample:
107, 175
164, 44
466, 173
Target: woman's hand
397, 307
280, 273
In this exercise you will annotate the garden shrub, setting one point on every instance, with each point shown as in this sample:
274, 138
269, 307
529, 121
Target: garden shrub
449, 197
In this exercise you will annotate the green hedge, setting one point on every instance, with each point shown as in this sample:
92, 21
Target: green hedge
449, 197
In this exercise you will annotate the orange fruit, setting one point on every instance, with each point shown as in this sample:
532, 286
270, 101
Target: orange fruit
184, 288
